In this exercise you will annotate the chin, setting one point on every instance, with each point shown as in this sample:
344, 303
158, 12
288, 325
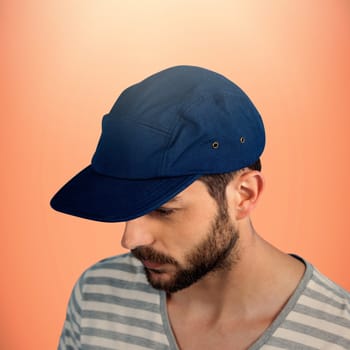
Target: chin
161, 280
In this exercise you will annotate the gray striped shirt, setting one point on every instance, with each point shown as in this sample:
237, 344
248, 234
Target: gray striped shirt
112, 306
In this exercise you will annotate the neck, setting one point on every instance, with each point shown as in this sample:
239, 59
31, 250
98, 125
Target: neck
243, 290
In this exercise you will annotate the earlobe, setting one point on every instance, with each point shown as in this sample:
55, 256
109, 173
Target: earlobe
249, 188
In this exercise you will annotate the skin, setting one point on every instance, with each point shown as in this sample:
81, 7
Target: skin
233, 306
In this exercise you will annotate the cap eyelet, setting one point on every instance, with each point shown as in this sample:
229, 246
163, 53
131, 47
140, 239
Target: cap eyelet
215, 145
242, 139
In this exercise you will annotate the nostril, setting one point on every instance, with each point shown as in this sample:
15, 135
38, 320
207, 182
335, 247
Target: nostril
125, 242
127, 245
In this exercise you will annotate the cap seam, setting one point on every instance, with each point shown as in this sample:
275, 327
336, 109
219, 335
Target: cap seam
133, 118
165, 155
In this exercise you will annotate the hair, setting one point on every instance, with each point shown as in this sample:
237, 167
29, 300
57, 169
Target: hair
216, 183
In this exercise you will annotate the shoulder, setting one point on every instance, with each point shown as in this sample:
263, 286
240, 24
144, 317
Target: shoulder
322, 311
317, 315
112, 303
123, 272
318, 287
331, 297
118, 280
116, 266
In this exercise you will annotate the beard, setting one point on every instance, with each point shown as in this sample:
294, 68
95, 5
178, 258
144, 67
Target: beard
214, 253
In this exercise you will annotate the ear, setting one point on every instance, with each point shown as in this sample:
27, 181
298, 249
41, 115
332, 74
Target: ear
247, 187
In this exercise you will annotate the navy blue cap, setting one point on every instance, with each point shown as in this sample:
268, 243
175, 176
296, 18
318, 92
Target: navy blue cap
160, 136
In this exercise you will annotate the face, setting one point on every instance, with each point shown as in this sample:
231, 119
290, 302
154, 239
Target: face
197, 238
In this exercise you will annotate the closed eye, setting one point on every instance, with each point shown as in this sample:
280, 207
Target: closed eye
163, 211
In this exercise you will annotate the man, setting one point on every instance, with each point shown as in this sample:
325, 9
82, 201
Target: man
179, 161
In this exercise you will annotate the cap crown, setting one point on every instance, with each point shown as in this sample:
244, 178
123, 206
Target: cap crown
181, 121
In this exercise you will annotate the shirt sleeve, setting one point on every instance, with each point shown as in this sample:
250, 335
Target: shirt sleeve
70, 336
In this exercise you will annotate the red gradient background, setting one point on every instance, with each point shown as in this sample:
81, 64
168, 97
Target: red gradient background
63, 63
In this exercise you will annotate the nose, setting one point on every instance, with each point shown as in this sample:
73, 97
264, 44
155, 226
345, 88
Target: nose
136, 234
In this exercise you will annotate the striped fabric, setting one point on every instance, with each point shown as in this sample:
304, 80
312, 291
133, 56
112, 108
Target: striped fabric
112, 306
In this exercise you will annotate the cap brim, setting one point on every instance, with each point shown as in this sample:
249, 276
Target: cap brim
98, 197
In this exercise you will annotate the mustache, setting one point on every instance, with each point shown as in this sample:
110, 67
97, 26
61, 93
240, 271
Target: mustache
148, 253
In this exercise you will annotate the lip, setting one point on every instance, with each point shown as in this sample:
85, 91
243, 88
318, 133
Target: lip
151, 265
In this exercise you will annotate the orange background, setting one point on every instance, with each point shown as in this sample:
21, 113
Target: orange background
63, 63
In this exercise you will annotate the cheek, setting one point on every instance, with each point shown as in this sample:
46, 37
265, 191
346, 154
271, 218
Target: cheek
189, 229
